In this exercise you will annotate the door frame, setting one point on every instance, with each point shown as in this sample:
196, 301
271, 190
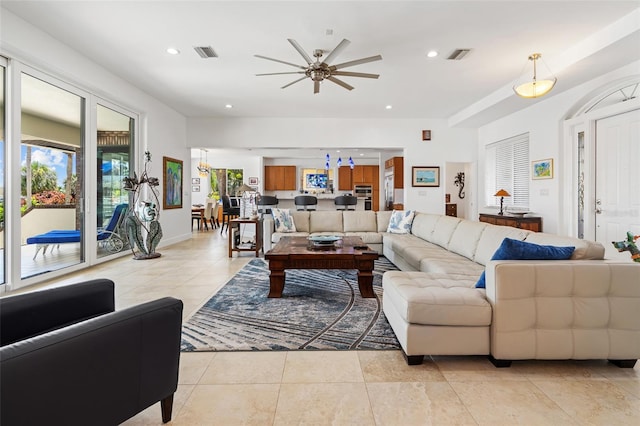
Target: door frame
585, 121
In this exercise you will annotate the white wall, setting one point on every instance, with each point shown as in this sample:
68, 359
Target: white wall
447, 144
544, 123
162, 130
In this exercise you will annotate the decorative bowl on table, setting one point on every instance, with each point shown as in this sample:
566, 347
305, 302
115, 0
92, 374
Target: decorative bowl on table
323, 240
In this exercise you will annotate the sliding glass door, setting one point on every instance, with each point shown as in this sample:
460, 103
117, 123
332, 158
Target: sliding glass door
52, 152
115, 135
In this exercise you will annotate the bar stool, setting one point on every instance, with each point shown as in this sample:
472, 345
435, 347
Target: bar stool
305, 202
266, 203
345, 202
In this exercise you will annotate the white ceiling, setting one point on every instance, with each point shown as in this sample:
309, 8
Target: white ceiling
130, 39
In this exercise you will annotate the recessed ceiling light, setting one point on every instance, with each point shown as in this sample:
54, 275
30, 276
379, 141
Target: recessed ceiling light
173, 51
361, 154
432, 54
228, 106
389, 106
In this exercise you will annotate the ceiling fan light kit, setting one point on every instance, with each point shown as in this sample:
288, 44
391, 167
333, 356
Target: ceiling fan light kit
319, 70
534, 88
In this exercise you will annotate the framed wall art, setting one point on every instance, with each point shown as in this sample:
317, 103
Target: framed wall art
195, 188
253, 181
195, 181
172, 171
542, 169
425, 176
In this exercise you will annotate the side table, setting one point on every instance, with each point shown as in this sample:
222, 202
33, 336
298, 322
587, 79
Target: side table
234, 228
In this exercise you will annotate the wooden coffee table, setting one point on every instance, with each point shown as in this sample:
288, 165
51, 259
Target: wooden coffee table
297, 253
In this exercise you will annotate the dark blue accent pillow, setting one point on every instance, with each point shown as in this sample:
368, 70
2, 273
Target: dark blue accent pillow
520, 250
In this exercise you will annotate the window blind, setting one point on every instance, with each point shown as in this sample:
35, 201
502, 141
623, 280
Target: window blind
507, 167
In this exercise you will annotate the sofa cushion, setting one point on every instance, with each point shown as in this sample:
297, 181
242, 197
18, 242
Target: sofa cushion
465, 238
325, 221
359, 221
521, 250
301, 218
444, 230
367, 237
400, 222
436, 299
585, 249
284, 222
491, 239
383, 217
424, 224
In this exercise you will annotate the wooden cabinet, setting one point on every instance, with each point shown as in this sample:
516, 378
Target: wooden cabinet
451, 209
344, 179
530, 223
397, 165
280, 178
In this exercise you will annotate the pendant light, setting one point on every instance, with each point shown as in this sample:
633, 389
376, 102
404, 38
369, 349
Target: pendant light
535, 88
203, 167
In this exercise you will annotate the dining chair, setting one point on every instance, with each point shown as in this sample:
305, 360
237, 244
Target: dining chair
211, 212
197, 216
228, 211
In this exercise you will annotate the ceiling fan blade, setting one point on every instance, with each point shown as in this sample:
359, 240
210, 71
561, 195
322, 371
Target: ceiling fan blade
335, 52
293, 82
340, 83
282, 62
316, 87
279, 73
300, 51
355, 74
356, 62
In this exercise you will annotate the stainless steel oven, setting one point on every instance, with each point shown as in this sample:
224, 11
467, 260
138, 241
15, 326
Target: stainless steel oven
365, 193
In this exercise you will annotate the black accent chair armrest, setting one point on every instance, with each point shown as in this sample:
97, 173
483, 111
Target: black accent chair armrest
100, 371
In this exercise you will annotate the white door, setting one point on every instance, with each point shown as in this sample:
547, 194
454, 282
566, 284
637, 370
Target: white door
617, 180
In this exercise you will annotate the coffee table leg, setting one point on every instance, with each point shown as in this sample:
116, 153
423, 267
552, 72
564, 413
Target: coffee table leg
365, 283
276, 283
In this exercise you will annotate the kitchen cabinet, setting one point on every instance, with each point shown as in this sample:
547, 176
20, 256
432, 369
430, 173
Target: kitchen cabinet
396, 165
530, 223
344, 179
280, 178
361, 175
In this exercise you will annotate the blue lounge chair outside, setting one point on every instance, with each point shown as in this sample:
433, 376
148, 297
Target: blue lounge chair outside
108, 235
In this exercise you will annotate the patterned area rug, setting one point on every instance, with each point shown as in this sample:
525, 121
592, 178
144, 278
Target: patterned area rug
319, 309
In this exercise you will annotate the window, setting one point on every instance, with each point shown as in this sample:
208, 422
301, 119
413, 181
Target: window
507, 167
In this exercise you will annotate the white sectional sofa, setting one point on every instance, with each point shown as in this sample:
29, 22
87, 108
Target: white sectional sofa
582, 308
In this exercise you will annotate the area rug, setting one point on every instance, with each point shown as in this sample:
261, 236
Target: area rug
319, 309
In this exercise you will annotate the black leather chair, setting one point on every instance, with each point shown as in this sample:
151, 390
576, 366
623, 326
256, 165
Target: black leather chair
229, 211
305, 202
345, 202
68, 358
266, 203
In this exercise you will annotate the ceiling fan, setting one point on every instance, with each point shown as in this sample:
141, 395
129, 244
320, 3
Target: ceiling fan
320, 70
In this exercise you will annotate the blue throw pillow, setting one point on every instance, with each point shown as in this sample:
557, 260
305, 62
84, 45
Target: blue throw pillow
519, 250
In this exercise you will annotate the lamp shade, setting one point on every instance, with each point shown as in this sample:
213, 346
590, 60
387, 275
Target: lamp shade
244, 188
532, 87
502, 193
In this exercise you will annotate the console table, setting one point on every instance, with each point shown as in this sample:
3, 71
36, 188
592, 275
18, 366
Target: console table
531, 223
234, 230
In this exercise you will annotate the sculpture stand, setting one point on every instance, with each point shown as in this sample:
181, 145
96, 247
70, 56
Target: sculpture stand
142, 256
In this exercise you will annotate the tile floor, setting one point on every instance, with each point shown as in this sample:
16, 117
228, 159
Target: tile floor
355, 388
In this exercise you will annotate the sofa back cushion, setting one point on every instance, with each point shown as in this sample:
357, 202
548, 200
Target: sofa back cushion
382, 218
492, 237
464, 240
301, 219
442, 233
359, 221
325, 221
585, 249
424, 224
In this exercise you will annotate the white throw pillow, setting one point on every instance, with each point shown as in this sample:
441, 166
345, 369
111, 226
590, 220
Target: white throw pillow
283, 220
400, 222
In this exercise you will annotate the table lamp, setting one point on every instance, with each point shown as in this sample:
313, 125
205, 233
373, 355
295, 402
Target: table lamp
501, 193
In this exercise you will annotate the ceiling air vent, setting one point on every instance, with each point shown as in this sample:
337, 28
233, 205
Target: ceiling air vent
458, 54
205, 52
